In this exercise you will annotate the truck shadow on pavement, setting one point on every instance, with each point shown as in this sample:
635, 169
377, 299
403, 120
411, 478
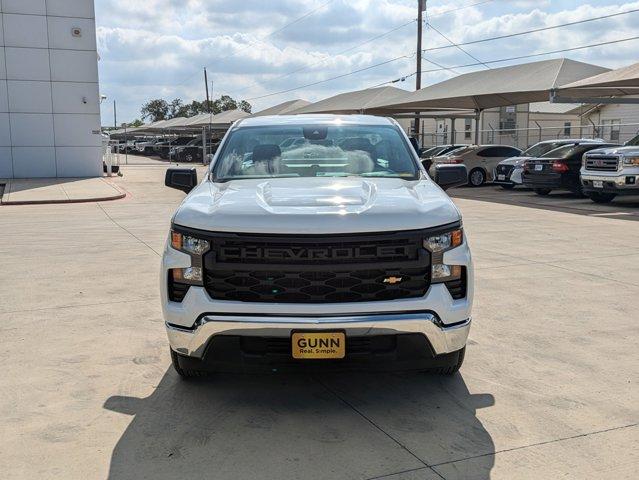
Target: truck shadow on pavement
280, 426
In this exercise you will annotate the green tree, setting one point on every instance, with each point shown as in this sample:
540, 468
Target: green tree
155, 110
245, 106
160, 109
176, 108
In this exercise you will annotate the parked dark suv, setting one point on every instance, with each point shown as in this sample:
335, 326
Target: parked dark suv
192, 151
558, 169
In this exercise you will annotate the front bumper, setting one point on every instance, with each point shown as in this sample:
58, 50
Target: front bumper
442, 338
625, 184
511, 178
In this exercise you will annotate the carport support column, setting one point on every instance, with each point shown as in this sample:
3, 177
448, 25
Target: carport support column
477, 116
203, 145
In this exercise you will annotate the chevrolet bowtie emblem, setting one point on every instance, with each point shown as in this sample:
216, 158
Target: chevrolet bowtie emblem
392, 280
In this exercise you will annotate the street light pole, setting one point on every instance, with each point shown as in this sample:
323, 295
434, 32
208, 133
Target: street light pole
421, 6
115, 115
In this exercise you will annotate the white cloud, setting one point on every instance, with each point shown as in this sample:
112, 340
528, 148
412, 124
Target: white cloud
157, 48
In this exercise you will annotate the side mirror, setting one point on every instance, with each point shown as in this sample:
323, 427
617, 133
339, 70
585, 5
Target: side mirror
449, 176
184, 179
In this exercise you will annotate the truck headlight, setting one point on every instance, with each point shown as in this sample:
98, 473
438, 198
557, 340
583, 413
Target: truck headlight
437, 245
188, 244
444, 241
632, 161
195, 247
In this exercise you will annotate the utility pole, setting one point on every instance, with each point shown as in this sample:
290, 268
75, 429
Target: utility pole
421, 6
206, 86
115, 115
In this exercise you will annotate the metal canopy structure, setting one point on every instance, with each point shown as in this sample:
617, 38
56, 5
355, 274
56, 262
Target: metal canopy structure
283, 108
359, 101
512, 85
603, 88
219, 121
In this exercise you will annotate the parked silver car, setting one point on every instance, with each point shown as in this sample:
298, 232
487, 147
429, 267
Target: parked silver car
480, 160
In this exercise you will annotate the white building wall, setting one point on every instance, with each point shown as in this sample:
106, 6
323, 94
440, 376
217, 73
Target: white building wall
49, 99
626, 115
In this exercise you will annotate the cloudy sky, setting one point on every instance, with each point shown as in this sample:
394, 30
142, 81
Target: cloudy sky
254, 49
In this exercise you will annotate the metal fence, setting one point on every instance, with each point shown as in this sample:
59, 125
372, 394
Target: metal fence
524, 137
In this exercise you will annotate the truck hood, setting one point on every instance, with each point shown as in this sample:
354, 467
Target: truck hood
316, 205
616, 151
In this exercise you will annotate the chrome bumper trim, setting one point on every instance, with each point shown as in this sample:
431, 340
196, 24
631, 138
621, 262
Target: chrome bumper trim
443, 338
618, 180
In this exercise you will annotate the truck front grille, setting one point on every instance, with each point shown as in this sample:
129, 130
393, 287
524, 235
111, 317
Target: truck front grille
601, 163
317, 269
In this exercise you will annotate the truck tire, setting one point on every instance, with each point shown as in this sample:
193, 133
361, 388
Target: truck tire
184, 373
542, 191
476, 177
452, 369
602, 197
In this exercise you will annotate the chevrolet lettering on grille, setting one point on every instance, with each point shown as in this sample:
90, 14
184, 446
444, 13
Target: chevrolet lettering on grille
314, 253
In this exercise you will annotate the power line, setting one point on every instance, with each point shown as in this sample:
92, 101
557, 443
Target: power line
520, 57
443, 67
456, 45
305, 67
299, 19
332, 78
542, 29
296, 20
460, 8
377, 37
306, 15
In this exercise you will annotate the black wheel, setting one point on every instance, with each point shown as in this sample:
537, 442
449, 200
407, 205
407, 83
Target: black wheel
542, 191
184, 373
476, 177
188, 157
579, 191
454, 368
507, 186
602, 197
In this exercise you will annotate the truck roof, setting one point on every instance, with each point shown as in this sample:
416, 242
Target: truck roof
313, 119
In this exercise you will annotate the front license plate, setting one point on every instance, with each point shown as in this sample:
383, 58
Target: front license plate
597, 183
539, 168
501, 177
318, 345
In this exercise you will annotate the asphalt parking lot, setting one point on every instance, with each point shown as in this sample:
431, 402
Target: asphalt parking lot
549, 388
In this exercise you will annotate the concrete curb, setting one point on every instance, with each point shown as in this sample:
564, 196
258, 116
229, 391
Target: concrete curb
117, 196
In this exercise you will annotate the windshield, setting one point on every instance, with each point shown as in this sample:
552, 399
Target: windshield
562, 152
541, 149
456, 151
633, 142
318, 151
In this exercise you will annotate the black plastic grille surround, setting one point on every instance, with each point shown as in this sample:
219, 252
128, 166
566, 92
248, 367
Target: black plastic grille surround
457, 288
177, 291
505, 170
317, 268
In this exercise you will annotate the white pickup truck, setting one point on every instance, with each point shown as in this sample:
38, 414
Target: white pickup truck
608, 172
338, 252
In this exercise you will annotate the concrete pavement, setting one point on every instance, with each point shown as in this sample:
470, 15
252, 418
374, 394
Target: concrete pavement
548, 390
26, 191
